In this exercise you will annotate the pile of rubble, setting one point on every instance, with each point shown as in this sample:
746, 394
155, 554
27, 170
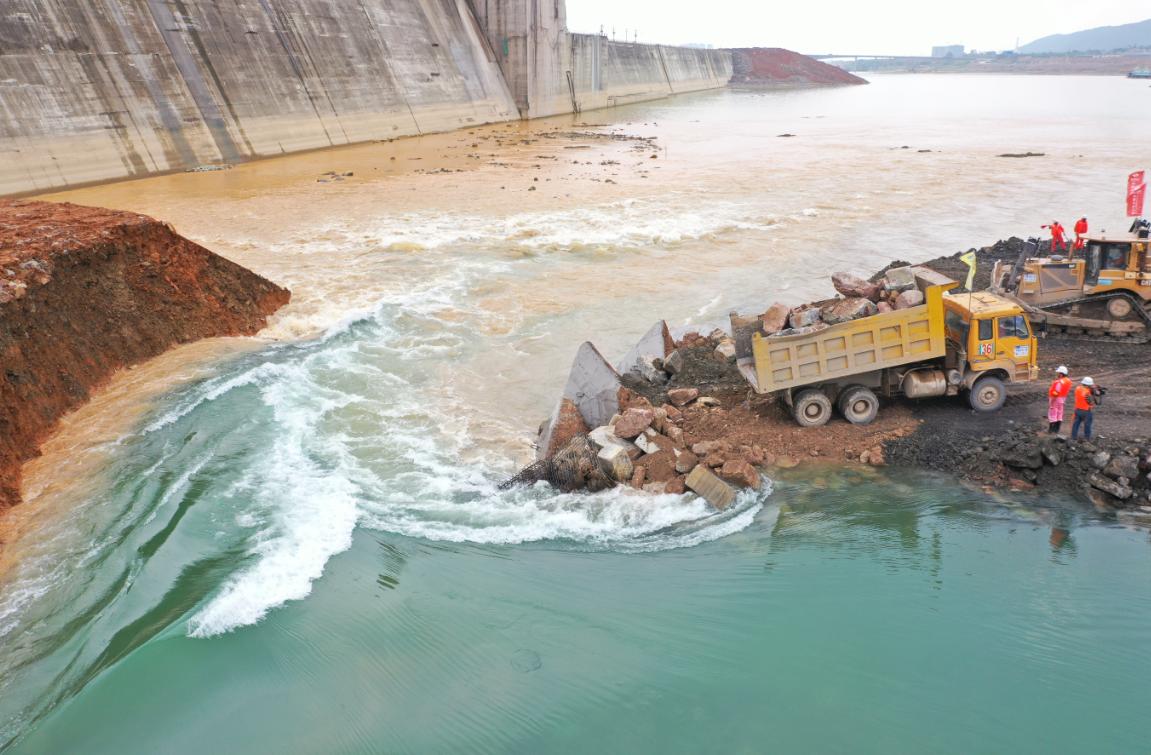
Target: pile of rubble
858, 298
1113, 474
643, 446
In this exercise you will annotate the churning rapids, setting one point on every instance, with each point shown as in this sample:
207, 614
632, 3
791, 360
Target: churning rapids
295, 543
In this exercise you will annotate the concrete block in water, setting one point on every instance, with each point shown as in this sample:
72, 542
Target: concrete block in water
709, 487
657, 342
593, 386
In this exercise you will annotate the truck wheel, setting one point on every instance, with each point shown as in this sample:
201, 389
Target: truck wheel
858, 405
988, 394
811, 408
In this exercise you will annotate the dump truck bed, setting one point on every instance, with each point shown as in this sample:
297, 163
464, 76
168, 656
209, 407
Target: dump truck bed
836, 353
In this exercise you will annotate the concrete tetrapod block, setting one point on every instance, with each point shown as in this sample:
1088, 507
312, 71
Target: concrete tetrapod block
657, 342
709, 487
593, 386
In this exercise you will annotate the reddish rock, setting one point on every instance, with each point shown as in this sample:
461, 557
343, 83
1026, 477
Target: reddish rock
754, 455
633, 422
908, 299
675, 435
883, 307
715, 459
660, 466
739, 472
638, 476
703, 448
682, 396
676, 486
672, 413
568, 424
774, 319
854, 286
685, 462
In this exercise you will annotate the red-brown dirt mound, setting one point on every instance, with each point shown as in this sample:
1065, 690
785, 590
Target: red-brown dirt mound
774, 65
86, 291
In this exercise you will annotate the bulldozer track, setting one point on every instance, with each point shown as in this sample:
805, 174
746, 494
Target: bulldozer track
1086, 333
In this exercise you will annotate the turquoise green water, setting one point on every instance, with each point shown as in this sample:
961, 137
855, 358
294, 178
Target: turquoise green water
306, 552
854, 614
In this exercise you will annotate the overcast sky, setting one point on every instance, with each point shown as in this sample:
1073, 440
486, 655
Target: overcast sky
895, 27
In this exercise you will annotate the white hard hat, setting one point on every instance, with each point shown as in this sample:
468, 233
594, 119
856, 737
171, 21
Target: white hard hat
1088, 381
1061, 370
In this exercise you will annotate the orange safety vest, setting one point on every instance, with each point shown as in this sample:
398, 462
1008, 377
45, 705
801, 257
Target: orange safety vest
1060, 387
1082, 398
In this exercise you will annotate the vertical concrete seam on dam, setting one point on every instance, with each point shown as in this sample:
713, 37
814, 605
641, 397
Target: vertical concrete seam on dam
112, 89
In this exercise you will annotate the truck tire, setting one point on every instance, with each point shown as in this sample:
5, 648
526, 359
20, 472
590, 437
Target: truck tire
858, 405
811, 408
987, 395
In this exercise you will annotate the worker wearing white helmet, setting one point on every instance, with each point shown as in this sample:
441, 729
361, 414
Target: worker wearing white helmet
1057, 399
1086, 399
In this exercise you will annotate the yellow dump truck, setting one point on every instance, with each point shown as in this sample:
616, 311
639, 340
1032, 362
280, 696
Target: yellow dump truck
953, 342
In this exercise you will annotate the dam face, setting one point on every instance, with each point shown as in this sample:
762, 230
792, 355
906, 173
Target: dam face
112, 89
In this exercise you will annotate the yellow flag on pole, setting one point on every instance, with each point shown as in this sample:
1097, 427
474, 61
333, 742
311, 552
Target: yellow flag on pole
969, 260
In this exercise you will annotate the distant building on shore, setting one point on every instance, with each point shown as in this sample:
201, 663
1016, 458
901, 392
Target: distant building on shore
947, 51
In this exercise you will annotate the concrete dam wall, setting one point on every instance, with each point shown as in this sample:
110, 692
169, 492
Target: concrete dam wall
107, 89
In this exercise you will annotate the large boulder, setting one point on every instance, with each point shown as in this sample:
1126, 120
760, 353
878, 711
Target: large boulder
739, 472
1122, 466
685, 461
899, 279
1107, 485
774, 319
909, 299
803, 317
853, 286
616, 463
660, 466
709, 487
633, 422
682, 396
846, 310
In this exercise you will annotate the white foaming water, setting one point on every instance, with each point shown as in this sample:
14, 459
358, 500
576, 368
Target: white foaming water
345, 454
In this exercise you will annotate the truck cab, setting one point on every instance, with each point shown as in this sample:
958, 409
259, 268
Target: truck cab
989, 337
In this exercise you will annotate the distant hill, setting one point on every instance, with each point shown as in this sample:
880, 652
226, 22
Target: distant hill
1103, 39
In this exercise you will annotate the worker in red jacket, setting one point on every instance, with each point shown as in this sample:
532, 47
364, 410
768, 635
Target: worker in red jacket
1057, 399
1057, 232
1080, 233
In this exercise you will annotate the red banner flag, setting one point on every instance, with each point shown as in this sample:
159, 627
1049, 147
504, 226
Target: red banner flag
1136, 191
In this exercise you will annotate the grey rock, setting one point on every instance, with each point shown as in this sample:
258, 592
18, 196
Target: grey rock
1122, 466
1099, 482
899, 279
674, 363
1099, 460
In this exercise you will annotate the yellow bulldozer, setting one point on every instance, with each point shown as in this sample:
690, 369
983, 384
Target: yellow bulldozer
1103, 289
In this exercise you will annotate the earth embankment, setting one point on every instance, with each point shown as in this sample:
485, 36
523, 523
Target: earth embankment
85, 292
774, 66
